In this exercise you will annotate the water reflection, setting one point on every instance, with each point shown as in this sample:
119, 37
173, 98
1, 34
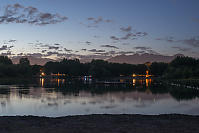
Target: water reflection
42, 82
148, 82
134, 81
60, 97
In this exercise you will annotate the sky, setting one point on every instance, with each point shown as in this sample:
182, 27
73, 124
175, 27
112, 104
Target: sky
101, 29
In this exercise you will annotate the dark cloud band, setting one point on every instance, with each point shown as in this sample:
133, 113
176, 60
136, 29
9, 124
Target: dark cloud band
19, 14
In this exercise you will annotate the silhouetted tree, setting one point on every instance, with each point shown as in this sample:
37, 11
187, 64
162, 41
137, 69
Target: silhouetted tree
24, 61
158, 68
5, 60
183, 68
36, 69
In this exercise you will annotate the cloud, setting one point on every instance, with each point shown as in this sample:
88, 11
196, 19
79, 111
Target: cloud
168, 39
95, 50
193, 41
125, 43
141, 34
96, 54
12, 40
51, 53
43, 51
140, 52
9, 53
20, 54
134, 35
38, 55
151, 51
114, 38
93, 22
108, 20
109, 46
98, 20
113, 53
125, 52
128, 34
91, 18
87, 58
68, 50
19, 14
5, 47
53, 47
47, 46
83, 49
88, 43
143, 49
182, 49
127, 29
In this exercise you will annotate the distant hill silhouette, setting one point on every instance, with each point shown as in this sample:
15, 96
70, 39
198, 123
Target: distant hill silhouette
33, 60
142, 58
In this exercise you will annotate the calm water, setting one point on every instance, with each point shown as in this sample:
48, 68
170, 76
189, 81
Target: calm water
59, 97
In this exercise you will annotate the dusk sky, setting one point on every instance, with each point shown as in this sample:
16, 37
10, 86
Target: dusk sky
98, 28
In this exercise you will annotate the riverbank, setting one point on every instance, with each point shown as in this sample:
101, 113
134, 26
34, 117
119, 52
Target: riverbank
101, 124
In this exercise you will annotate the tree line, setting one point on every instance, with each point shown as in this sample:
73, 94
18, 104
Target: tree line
96, 68
179, 68
23, 69
183, 68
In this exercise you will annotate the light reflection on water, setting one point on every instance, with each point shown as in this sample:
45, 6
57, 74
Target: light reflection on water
61, 97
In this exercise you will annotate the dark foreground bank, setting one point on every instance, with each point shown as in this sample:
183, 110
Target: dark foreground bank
101, 124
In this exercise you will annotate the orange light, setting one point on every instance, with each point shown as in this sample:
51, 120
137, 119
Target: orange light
134, 75
121, 80
42, 74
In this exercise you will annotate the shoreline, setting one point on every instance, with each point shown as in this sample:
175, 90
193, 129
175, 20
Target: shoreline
102, 123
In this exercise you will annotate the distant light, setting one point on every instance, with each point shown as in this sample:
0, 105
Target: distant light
42, 74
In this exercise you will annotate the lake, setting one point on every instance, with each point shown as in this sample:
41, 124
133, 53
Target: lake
63, 97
